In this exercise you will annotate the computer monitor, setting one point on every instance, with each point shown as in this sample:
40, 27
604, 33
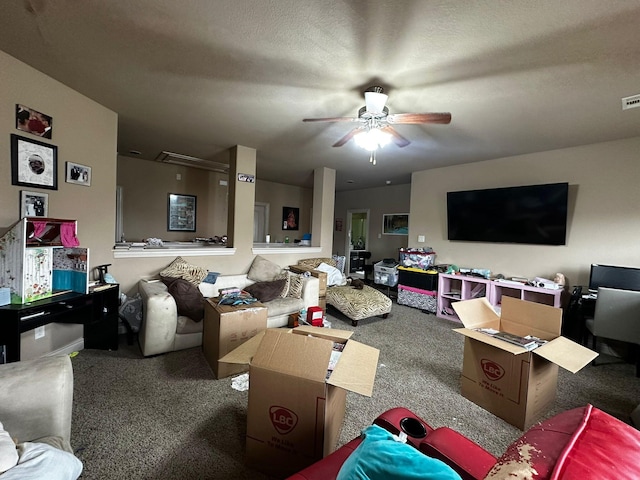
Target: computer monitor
611, 276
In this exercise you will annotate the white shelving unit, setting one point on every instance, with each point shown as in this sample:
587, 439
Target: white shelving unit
453, 288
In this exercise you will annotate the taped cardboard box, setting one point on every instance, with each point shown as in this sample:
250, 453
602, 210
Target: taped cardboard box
225, 328
295, 413
510, 381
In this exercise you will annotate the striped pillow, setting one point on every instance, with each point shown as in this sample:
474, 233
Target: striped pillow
181, 269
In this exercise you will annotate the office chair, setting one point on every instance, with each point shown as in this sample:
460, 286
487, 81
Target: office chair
617, 317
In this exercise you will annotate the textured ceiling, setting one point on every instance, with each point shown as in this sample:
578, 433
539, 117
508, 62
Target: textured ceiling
196, 77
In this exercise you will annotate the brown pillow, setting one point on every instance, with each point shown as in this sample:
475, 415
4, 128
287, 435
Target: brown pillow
189, 299
267, 291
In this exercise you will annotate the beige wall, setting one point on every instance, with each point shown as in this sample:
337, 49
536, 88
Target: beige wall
85, 133
388, 199
145, 186
603, 225
277, 196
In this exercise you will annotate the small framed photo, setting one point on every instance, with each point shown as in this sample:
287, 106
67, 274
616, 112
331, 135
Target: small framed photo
78, 174
181, 213
395, 224
33, 122
290, 218
34, 204
33, 163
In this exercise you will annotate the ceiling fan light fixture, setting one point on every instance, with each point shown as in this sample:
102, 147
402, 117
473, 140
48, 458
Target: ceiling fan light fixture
375, 101
372, 139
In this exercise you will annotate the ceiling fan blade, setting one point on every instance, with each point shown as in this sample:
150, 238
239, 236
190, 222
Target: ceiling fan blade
347, 137
398, 139
443, 118
331, 119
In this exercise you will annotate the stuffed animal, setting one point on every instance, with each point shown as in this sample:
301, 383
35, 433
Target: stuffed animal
356, 283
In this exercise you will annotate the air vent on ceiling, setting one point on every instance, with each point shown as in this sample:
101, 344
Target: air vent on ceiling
631, 102
195, 162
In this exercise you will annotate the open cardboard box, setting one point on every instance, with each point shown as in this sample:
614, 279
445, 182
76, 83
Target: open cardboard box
295, 412
513, 383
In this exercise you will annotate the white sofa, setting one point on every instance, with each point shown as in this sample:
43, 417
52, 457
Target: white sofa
36, 401
163, 330
37, 398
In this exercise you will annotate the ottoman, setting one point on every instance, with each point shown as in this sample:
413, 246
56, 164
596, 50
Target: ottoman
358, 304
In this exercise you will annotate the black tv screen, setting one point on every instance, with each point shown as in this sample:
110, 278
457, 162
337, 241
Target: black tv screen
611, 276
532, 214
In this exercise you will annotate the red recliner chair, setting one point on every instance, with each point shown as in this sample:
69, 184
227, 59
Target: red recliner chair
584, 443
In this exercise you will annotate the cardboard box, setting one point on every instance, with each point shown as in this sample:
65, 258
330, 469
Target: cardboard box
225, 328
321, 276
295, 413
513, 383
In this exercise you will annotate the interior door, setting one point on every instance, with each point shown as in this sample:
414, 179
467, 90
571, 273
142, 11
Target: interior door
260, 222
357, 237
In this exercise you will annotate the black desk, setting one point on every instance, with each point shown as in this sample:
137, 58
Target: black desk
97, 311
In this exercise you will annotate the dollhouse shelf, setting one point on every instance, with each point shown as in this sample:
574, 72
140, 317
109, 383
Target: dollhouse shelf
40, 257
50, 236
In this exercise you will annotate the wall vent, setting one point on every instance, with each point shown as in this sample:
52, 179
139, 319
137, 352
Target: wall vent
188, 161
631, 102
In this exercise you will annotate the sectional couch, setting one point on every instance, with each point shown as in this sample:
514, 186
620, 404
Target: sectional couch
164, 329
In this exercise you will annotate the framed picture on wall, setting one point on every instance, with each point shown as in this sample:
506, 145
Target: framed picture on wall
181, 213
78, 174
290, 218
34, 204
33, 163
33, 122
395, 224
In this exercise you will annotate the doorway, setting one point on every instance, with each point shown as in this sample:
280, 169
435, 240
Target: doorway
357, 237
260, 222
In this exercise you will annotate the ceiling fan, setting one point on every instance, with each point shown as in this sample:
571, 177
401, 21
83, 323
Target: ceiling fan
376, 124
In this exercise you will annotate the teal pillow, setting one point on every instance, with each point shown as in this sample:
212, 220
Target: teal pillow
381, 457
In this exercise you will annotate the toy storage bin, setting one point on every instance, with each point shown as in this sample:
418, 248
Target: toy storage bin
417, 258
417, 298
385, 275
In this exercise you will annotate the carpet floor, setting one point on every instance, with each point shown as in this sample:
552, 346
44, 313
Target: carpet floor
167, 417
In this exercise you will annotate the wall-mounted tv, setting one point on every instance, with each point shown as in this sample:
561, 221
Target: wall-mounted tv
611, 276
531, 214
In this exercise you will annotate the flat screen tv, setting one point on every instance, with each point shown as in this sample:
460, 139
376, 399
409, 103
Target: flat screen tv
532, 214
622, 278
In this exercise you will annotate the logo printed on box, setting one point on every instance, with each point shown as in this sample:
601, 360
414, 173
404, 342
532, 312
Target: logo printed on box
491, 369
283, 419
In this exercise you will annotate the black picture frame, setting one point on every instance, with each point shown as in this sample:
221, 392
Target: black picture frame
34, 204
290, 218
181, 212
33, 163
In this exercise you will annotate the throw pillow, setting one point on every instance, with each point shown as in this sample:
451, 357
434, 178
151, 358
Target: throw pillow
189, 299
296, 285
181, 269
8, 452
267, 291
381, 457
263, 270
